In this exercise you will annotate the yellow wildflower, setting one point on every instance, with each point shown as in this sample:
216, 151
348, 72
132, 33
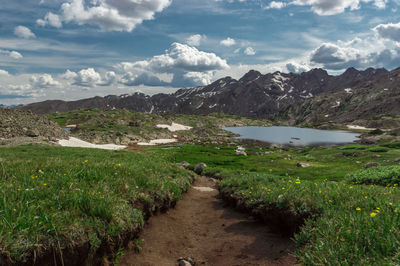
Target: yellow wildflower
358, 209
372, 214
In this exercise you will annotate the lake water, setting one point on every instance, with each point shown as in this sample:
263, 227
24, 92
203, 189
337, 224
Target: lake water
294, 135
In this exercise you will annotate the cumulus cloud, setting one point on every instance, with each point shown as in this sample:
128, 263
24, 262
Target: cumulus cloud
87, 78
381, 4
44, 81
186, 64
12, 54
295, 67
332, 7
275, 5
228, 42
69, 75
195, 40
249, 51
4, 73
359, 53
389, 31
109, 78
24, 32
130, 79
50, 19
109, 15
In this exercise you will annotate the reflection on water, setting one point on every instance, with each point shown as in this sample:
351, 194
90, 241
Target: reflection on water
295, 136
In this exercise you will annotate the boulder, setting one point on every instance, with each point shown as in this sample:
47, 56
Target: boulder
241, 153
32, 133
199, 168
372, 164
184, 164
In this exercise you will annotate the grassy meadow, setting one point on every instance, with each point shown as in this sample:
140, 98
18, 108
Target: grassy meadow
61, 201
339, 212
84, 205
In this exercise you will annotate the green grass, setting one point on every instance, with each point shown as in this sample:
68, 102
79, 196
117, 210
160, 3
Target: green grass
382, 175
58, 198
345, 224
331, 163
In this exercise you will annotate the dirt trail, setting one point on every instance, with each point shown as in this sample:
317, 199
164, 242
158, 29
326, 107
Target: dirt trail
200, 227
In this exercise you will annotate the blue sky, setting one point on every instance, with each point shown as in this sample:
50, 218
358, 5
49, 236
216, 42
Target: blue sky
72, 49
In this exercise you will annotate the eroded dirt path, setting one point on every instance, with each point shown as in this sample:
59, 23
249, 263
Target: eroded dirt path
200, 227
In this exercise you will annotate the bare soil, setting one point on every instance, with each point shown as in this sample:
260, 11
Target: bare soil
203, 228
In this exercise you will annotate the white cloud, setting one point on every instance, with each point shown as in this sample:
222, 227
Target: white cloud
50, 19
332, 7
249, 51
381, 4
44, 81
109, 78
87, 78
228, 42
276, 5
69, 75
195, 40
12, 54
389, 31
24, 32
358, 53
109, 15
183, 62
4, 73
295, 67
130, 79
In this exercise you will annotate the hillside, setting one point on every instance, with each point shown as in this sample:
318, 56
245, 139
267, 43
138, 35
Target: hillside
129, 127
254, 95
25, 124
368, 99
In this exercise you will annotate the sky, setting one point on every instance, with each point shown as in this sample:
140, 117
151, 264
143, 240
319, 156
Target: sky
74, 49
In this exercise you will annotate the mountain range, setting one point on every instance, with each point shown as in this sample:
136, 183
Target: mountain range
307, 97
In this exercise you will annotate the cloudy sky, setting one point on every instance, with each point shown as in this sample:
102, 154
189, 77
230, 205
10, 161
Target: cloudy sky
72, 49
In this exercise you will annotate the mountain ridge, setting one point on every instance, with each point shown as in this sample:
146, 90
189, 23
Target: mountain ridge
268, 96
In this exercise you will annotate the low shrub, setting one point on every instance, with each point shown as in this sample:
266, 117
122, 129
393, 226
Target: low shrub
381, 175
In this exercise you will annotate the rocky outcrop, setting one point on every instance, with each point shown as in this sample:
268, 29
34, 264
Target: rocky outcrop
17, 123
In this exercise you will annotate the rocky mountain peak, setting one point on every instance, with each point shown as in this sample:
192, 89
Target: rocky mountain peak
250, 76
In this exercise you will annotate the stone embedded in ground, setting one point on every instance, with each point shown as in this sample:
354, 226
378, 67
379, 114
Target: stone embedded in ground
186, 262
303, 165
204, 189
369, 165
199, 168
184, 164
397, 160
241, 153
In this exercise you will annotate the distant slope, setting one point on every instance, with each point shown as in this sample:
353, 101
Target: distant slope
254, 95
369, 98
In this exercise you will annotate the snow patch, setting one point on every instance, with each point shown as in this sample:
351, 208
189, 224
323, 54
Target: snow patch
75, 142
359, 127
157, 142
174, 127
152, 109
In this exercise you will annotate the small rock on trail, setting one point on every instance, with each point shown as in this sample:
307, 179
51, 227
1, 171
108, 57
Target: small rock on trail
201, 228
